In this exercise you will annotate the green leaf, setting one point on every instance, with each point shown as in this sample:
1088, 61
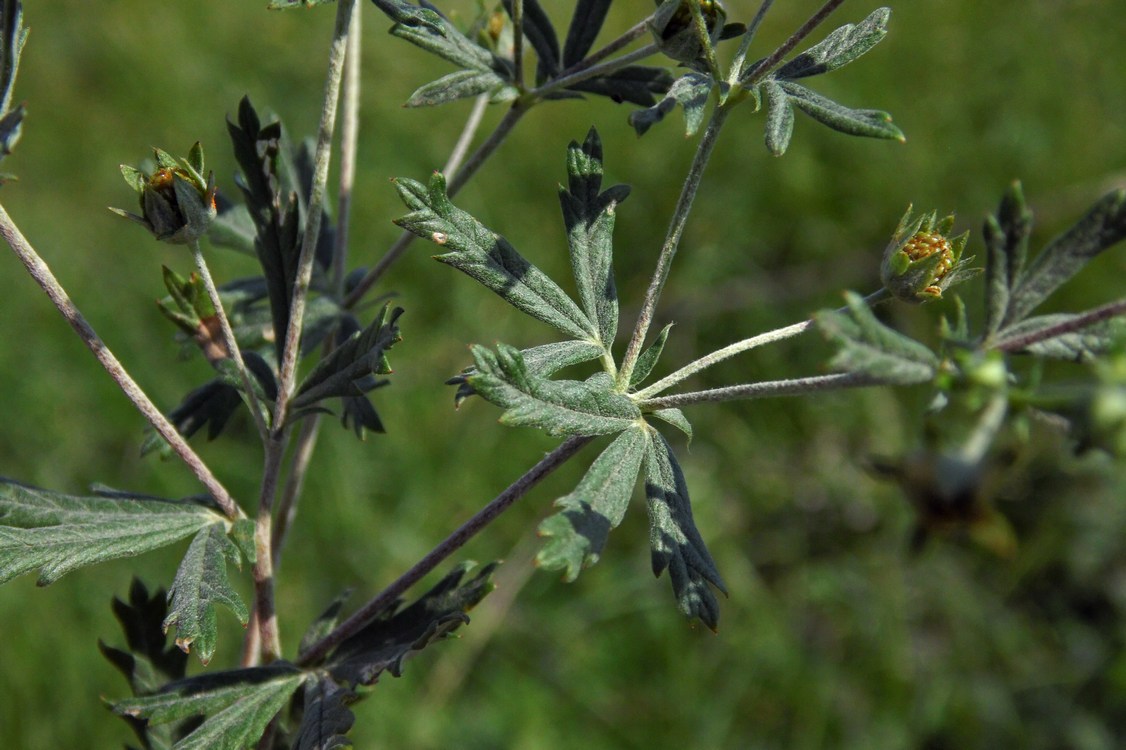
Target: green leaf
396, 634
291, 4
676, 543
649, 358
326, 718
674, 417
232, 227
489, 258
324, 623
578, 533
201, 583
13, 36
690, 91
589, 217
563, 407
1103, 226
458, 85
238, 705
839, 48
1083, 345
58, 533
427, 29
779, 118
871, 123
1006, 243
586, 22
868, 346
541, 361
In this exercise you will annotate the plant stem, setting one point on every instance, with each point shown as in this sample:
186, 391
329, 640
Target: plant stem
770, 337
39, 271
229, 341
304, 445
1072, 324
269, 639
472, 123
766, 389
518, 43
563, 81
386, 598
291, 349
759, 71
634, 32
672, 241
740, 58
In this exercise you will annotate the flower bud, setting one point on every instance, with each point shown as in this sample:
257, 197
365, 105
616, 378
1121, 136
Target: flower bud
921, 261
675, 33
177, 204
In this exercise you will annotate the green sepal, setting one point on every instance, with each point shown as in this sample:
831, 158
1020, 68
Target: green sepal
577, 534
58, 533
489, 258
588, 215
839, 48
648, 359
870, 347
238, 704
1103, 226
675, 541
559, 407
201, 583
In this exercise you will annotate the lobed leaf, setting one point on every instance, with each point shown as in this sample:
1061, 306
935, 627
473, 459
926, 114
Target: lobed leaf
542, 361
868, 346
839, 48
871, 123
578, 533
489, 258
559, 407
675, 541
386, 643
238, 704
690, 91
201, 583
589, 217
58, 533
1102, 227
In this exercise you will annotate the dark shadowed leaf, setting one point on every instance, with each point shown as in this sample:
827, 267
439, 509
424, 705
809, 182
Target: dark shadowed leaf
57, 533
577, 534
586, 22
326, 718
559, 407
201, 583
12, 38
385, 644
868, 346
588, 215
675, 541
541, 35
324, 623
489, 258
690, 91
635, 84
1006, 242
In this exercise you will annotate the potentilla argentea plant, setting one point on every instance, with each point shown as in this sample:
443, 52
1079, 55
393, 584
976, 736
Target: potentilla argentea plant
301, 341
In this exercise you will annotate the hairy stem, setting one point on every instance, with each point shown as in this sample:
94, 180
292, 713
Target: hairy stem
570, 79
363, 616
39, 271
769, 337
671, 243
766, 389
1072, 324
229, 341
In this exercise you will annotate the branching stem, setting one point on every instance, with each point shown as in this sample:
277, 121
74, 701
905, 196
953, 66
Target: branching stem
447, 547
58, 296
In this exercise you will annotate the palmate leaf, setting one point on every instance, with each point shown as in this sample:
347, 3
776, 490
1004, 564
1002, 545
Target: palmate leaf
558, 407
386, 643
58, 533
839, 48
676, 543
868, 346
488, 258
588, 215
201, 583
238, 705
577, 534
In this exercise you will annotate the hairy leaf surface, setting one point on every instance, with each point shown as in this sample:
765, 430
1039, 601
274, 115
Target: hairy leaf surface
868, 346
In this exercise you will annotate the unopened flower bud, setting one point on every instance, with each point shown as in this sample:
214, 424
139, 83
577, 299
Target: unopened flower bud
177, 204
922, 261
675, 33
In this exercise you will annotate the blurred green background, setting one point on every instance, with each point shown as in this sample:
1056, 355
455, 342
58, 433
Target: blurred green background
834, 634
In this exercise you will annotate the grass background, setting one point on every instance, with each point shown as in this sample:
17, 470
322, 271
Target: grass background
834, 635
